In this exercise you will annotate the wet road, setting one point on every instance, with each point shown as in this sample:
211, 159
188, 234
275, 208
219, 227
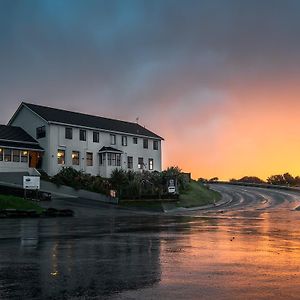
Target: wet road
246, 248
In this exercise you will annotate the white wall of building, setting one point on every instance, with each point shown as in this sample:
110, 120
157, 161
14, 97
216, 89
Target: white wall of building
29, 121
58, 141
10, 166
55, 139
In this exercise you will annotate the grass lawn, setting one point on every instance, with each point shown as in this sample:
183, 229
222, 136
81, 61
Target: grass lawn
196, 195
12, 202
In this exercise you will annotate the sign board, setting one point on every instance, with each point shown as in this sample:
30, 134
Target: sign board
171, 186
31, 182
171, 189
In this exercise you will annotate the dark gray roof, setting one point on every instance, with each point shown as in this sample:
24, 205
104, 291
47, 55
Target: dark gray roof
110, 149
16, 137
21, 146
14, 133
78, 119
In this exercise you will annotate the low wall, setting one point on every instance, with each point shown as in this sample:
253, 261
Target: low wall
66, 190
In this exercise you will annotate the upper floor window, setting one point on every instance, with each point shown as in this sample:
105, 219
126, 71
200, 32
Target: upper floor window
82, 135
61, 154
124, 140
145, 143
129, 162
140, 163
1, 154
155, 145
113, 139
89, 158
68, 133
75, 158
135, 140
151, 163
95, 136
41, 132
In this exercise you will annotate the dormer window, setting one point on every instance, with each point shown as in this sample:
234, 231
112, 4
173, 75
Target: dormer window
41, 132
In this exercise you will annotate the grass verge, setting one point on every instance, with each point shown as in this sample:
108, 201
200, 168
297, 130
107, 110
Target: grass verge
197, 195
12, 202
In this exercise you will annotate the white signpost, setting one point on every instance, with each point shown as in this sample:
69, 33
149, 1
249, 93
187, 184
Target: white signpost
31, 182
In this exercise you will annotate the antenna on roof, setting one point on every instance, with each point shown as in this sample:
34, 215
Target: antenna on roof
137, 120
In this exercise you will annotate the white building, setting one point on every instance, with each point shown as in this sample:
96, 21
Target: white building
93, 144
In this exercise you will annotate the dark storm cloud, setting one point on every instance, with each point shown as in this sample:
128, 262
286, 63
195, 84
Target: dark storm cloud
128, 58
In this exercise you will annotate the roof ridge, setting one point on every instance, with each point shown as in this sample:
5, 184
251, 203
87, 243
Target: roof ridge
80, 113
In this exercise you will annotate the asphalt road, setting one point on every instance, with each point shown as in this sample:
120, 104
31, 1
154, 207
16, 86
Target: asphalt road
246, 248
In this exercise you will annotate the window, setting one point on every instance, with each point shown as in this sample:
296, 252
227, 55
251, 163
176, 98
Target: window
68, 133
140, 163
1, 154
24, 156
41, 132
135, 140
102, 159
118, 160
95, 136
151, 163
114, 159
16, 155
89, 159
75, 158
82, 135
155, 145
61, 157
129, 162
7, 155
113, 139
124, 140
145, 143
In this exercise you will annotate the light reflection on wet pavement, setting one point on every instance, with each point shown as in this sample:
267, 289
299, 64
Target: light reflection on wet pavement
246, 249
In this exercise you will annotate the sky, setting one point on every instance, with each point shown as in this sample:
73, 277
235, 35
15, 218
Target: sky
218, 79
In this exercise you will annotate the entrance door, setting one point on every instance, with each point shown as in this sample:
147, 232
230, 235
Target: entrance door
35, 160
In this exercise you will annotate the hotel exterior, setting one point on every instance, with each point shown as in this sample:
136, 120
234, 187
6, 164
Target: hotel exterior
93, 144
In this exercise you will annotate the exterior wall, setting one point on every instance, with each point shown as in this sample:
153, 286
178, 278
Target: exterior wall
29, 121
58, 141
13, 167
55, 139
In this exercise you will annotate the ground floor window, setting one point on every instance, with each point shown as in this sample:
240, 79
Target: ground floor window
140, 162
151, 163
16, 155
89, 159
61, 154
114, 159
75, 158
102, 159
1, 154
24, 156
129, 162
7, 155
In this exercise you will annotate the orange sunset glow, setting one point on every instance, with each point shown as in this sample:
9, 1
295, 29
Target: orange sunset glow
220, 82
